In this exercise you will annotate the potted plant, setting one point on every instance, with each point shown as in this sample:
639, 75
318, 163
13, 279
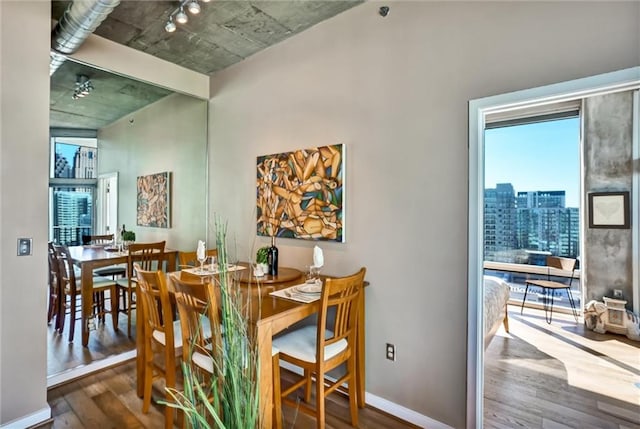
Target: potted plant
129, 236
261, 259
229, 399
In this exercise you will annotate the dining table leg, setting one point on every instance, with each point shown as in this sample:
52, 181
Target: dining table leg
360, 357
265, 384
87, 300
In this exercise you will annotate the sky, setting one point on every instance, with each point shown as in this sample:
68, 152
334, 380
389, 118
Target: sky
67, 150
544, 156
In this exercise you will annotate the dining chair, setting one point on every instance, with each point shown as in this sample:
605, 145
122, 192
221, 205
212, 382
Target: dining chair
119, 270
150, 257
71, 287
203, 335
190, 259
162, 336
320, 348
548, 286
54, 283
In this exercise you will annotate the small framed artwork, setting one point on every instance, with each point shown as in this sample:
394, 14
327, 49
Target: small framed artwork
609, 210
154, 200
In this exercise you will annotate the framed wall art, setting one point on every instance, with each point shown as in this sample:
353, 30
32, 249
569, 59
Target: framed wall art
154, 200
609, 210
300, 194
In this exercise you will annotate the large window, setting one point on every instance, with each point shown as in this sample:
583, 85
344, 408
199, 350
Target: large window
72, 186
531, 196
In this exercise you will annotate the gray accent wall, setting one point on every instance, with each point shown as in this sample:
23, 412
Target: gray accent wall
608, 167
395, 91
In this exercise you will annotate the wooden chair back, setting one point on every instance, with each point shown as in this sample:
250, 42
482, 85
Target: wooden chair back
155, 302
149, 256
67, 275
342, 294
54, 282
196, 302
97, 239
561, 263
158, 325
190, 259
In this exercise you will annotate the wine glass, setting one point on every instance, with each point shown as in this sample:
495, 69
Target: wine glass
201, 259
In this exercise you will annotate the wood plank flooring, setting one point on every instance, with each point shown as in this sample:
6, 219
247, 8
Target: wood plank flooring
103, 342
108, 400
560, 375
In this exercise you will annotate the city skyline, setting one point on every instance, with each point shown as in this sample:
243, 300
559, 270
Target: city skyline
542, 156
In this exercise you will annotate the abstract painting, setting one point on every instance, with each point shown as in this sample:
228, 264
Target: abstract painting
154, 200
300, 194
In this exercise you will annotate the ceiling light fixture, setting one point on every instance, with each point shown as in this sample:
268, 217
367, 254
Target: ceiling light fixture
170, 26
179, 16
194, 7
83, 87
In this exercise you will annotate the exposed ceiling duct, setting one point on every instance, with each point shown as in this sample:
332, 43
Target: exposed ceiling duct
80, 19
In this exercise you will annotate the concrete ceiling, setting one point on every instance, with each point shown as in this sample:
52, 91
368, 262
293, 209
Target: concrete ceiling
224, 33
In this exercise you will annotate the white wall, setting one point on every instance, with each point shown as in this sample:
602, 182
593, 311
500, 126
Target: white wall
169, 135
395, 91
24, 172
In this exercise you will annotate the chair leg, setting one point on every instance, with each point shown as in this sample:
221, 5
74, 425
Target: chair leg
320, 400
307, 386
130, 299
277, 401
353, 391
526, 290
148, 377
170, 383
548, 307
72, 319
573, 304
113, 295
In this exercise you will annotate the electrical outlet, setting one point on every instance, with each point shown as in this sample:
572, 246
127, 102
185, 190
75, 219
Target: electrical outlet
617, 293
391, 352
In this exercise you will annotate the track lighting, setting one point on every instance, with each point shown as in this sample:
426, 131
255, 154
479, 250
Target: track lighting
179, 16
83, 87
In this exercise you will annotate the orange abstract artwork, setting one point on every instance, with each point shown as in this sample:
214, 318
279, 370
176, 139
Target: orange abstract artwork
300, 194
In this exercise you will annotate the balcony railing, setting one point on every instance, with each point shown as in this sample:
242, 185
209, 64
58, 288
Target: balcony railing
516, 276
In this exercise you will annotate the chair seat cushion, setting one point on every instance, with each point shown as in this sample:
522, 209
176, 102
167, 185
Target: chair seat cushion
301, 344
113, 270
203, 361
124, 282
159, 336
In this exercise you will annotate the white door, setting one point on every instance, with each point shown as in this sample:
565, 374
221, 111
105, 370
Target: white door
107, 204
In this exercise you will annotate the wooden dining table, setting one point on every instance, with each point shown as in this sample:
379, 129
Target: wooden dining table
90, 257
271, 315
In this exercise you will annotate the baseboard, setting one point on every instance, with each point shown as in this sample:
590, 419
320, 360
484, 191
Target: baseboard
66, 376
30, 420
388, 407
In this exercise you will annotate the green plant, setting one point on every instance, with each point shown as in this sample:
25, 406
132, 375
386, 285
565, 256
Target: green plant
261, 255
229, 398
129, 236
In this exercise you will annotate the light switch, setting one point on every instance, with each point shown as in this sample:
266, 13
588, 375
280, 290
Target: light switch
24, 246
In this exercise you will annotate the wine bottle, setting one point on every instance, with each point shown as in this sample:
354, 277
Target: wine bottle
272, 258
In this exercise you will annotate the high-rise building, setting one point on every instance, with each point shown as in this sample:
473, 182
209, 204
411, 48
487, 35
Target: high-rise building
530, 223
499, 222
72, 209
85, 163
62, 167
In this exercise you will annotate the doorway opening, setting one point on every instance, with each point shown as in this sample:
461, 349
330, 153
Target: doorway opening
479, 113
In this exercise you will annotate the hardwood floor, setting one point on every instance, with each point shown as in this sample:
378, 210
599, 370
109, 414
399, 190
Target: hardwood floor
103, 342
560, 375
108, 400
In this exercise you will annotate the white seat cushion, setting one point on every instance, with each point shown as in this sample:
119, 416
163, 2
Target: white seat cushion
177, 335
301, 344
203, 361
